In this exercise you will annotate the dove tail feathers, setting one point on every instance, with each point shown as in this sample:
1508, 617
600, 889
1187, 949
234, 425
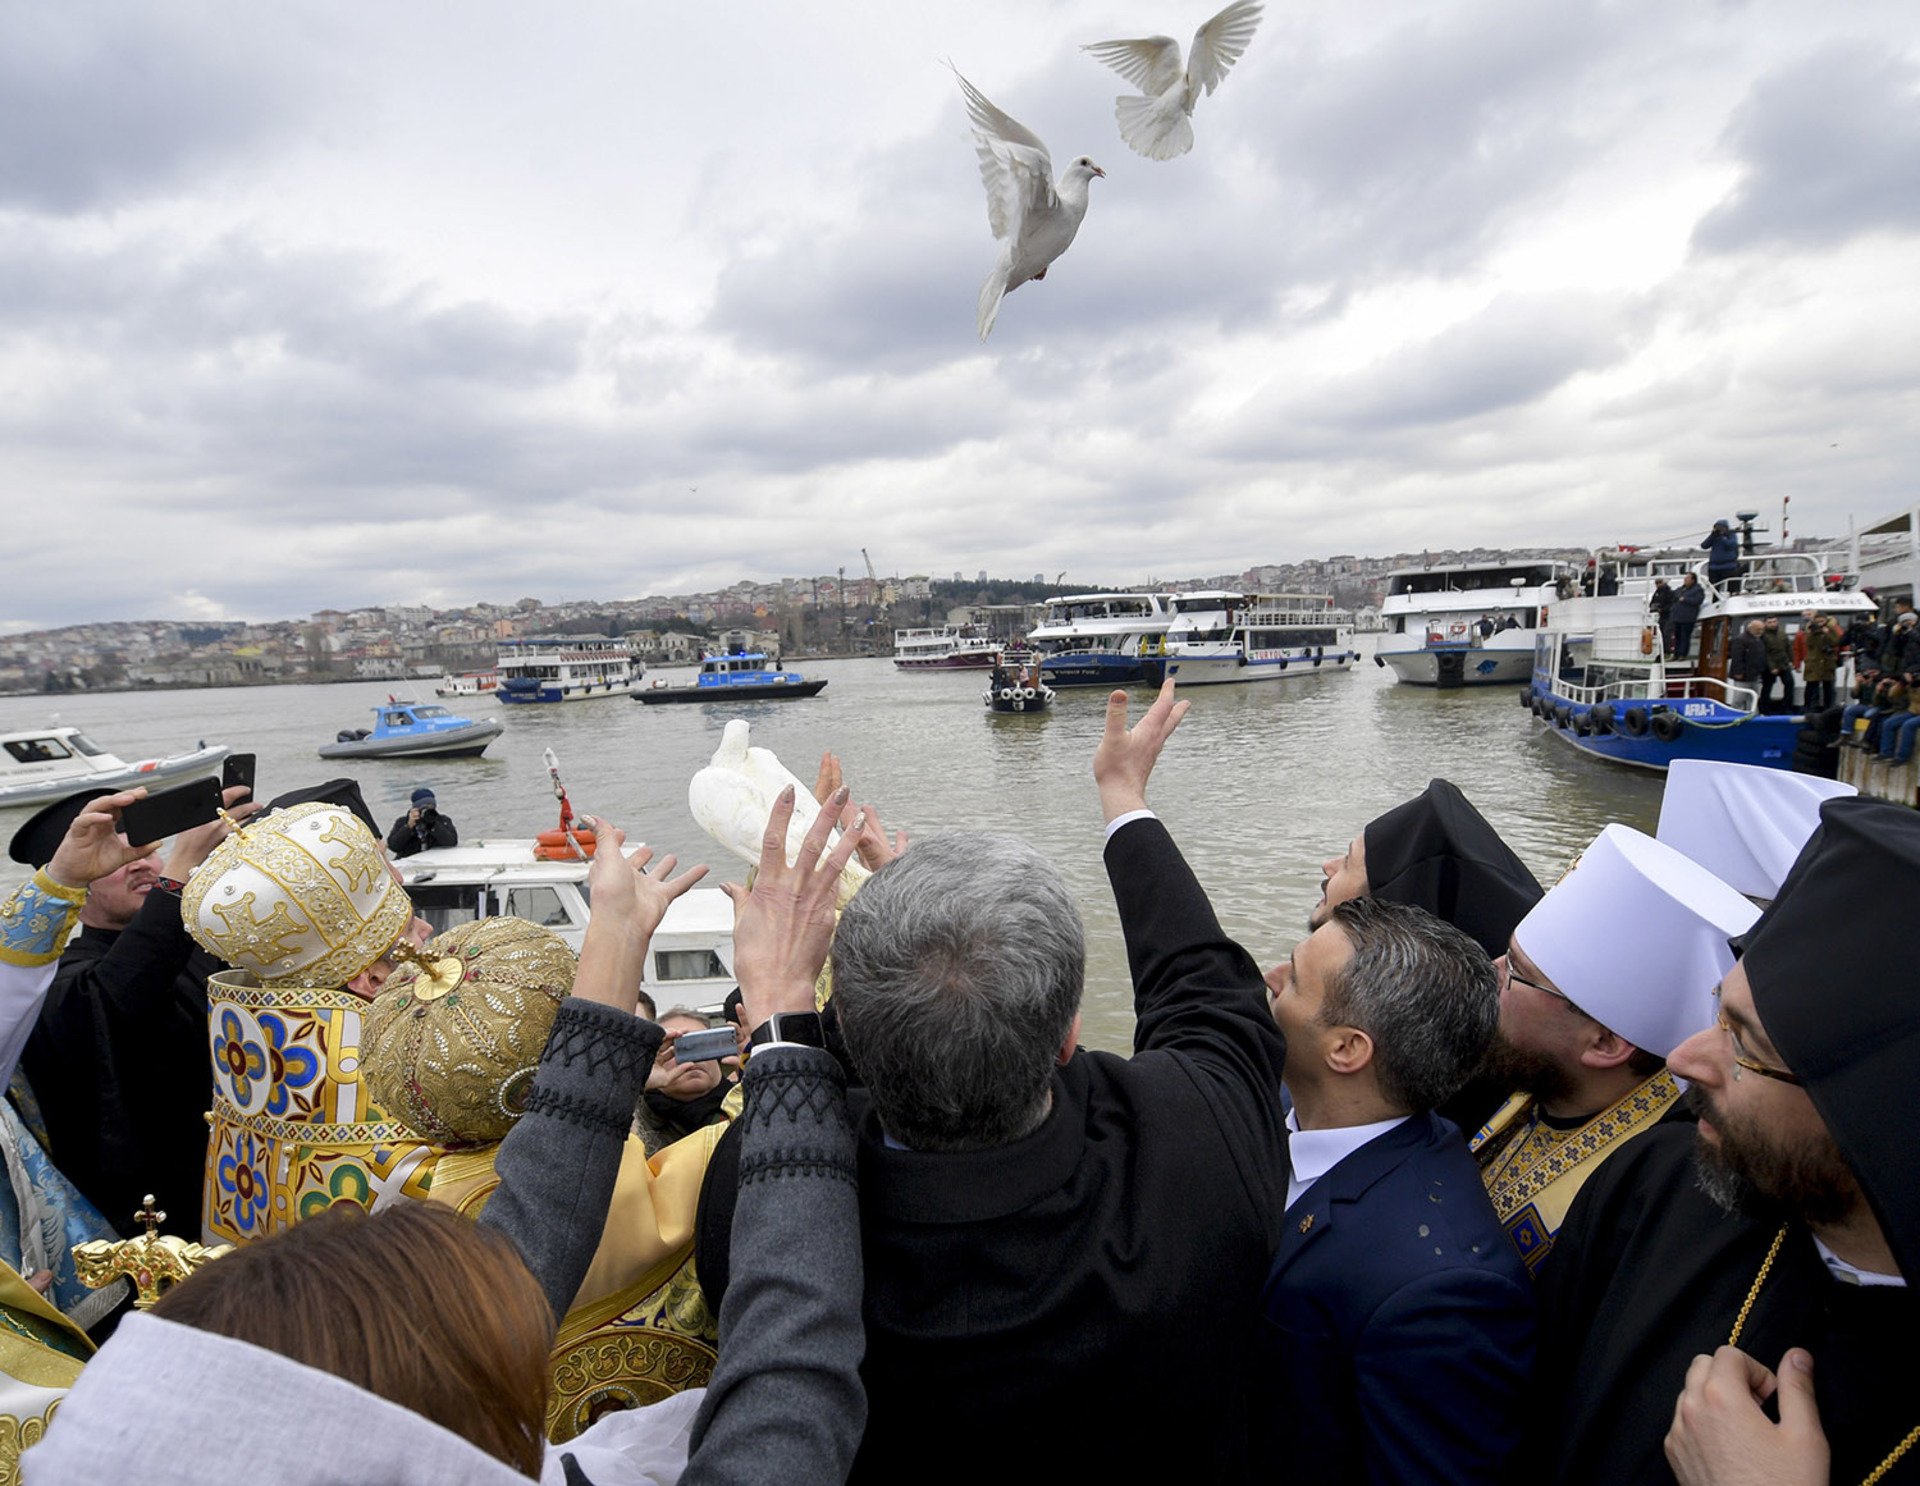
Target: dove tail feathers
991, 293
1152, 128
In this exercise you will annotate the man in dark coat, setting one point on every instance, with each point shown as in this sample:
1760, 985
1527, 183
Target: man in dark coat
117, 1062
1399, 1319
1684, 1299
422, 828
1437, 852
1747, 657
1723, 557
1064, 1248
1684, 613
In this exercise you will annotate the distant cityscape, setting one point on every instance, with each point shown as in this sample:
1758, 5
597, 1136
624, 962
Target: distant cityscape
830, 615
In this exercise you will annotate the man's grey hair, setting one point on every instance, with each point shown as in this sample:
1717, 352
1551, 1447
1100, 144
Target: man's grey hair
1424, 992
957, 973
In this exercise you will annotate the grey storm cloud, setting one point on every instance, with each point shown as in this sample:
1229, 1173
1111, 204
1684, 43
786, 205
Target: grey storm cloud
107, 103
1829, 149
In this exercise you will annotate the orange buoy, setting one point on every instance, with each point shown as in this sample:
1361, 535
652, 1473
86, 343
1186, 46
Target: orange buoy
554, 846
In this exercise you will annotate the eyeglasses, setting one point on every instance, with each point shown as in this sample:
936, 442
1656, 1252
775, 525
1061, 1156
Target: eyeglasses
1514, 975
1741, 1059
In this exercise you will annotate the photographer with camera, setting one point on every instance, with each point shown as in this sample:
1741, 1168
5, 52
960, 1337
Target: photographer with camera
422, 828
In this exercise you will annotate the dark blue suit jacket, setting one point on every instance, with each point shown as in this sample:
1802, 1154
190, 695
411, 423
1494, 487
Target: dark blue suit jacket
1398, 1320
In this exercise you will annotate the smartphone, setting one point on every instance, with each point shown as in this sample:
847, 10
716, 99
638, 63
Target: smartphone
238, 769
171, 812
703, 1047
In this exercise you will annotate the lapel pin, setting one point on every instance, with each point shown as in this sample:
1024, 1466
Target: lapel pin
1306, 1222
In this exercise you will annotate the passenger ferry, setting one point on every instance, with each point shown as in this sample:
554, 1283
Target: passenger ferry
1467, 625
739, 676
1218, 638
565, 668
1104, 639
1602, 681
947, 648
689, 959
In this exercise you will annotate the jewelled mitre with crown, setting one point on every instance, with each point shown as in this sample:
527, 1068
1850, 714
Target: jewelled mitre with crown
301, 897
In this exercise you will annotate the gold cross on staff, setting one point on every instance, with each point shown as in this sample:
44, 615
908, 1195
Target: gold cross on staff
149, 1217
154, 1261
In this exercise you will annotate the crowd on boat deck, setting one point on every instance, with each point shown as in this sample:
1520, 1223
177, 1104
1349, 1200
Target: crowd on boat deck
1611, 1180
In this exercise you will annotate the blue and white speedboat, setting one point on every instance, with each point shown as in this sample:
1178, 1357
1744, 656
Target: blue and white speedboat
564, 668
414, 730
1220, 638
1104, 639
742, 676
1603, 682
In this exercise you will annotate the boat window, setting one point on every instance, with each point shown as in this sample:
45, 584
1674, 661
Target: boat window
37, 750
689, 964
82, 744
443, 907
430, 712
397, 719
538, 905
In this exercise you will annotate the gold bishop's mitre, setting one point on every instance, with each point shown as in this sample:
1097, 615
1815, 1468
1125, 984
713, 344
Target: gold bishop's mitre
454, 1039
300, 897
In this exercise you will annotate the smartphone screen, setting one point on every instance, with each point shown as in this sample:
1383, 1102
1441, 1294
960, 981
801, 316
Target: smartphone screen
171, 812
238, 769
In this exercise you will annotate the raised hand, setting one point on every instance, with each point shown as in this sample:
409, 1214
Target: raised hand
1126, 755
828, 779
870, 836
630, 897
783, 924
93, 845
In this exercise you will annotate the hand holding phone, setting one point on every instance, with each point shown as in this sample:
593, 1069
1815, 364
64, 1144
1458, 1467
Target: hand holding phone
170, 812
238, 769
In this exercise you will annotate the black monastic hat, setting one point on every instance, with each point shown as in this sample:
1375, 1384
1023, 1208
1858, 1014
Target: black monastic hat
334, 792
1830, 964
34, 844
1438, 853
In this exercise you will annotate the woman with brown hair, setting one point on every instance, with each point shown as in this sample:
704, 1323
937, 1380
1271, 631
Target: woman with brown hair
412, 1346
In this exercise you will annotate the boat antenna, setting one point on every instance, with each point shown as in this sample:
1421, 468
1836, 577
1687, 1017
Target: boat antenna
566, 806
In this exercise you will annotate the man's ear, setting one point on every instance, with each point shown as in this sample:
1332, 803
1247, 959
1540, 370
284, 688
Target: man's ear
1605, 1048
1072, 1044
1348, 1049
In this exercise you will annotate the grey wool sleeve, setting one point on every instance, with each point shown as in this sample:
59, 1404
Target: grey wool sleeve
786, 1402
558, 1164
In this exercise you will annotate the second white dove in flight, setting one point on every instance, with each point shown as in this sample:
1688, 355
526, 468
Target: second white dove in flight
1158, 121
1034, 217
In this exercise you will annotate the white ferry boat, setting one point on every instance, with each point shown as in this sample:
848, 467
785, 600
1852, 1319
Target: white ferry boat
565, 668
1469, 625
689, 962
48, 764
1602, 681
1219, 638
1104, 639
946, 648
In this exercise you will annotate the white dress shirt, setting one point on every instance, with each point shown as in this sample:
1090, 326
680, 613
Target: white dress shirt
1313, 1153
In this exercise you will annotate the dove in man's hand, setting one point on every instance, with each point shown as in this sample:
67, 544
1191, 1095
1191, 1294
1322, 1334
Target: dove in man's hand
1034, 217
1158, 121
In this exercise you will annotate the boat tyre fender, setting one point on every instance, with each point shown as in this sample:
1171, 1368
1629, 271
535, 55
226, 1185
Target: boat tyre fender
1668, 726
1583, 725
1026, 693
1019, 704
1526, 698
1600, 718
1379, 662
1007, 693
1562, 713
1633, 722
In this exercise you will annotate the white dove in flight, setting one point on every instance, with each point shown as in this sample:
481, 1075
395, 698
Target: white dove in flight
1158, 120
1034, 217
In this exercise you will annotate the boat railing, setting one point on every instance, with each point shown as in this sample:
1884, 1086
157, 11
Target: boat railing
1782, 572
1673, 689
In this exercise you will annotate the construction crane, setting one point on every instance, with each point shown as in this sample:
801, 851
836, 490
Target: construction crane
873, 581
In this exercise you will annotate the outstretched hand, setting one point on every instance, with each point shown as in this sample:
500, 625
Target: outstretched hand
630, 898
1720, 1437
1126, 755
870, 836
93, 846
783, 925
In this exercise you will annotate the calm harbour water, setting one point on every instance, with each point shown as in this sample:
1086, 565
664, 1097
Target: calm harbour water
1260, 785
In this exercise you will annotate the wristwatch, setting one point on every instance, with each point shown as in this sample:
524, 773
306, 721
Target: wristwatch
802, 1027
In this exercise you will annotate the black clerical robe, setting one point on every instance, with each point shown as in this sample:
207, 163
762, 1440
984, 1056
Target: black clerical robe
119, 1067
1649, 1273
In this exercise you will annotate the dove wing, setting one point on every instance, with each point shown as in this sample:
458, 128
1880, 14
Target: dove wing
1150, 63
1014, 165
1218, 44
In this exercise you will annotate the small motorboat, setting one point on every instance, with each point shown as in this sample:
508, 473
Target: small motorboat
469, 684
742, 676
1017, 688
52, 763
414, 730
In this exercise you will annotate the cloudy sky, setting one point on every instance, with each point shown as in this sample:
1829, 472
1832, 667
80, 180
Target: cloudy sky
342, 303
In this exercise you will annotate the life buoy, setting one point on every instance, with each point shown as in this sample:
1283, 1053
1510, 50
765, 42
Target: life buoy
1646, 640
1633, 722
1668, 726
553, 846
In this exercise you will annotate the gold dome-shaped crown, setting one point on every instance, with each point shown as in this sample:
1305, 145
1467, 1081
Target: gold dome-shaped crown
452, 1041
300, 897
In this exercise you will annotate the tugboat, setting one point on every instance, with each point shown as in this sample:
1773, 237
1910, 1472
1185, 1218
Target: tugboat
740, 676
1017, 688
414, 730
